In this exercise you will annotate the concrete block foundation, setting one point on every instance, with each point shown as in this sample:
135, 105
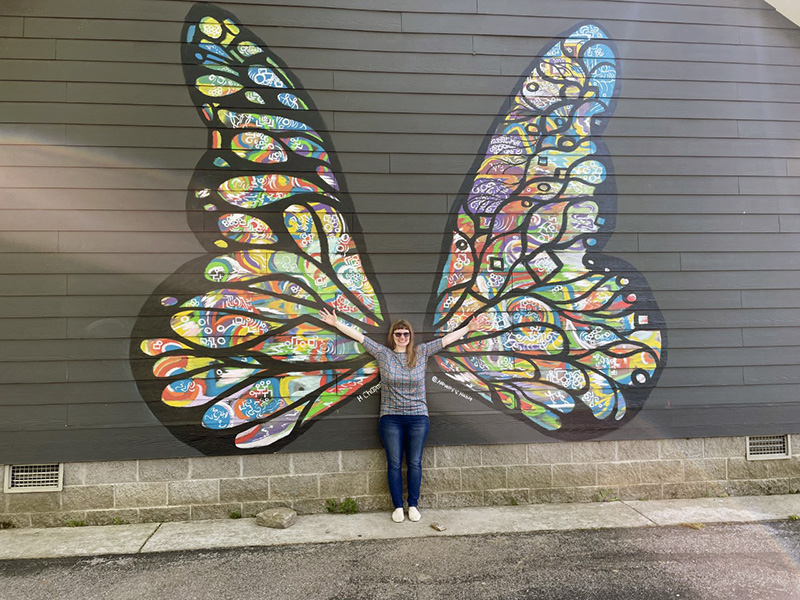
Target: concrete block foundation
141, 491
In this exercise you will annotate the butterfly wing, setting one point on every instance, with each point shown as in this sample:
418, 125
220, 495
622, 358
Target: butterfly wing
575, 337
229, 352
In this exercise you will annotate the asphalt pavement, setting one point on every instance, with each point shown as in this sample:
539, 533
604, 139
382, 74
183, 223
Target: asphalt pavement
149, 538
741, 561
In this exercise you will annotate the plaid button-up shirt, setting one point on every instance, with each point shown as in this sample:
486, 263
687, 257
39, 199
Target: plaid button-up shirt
402, 388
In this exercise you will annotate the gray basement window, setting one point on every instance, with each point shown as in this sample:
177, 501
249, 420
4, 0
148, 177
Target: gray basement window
768, 447
33, 478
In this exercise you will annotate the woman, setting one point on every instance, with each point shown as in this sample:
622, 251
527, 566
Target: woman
403, 425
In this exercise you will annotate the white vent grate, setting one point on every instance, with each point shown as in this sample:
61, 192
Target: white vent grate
768, 447
34, 478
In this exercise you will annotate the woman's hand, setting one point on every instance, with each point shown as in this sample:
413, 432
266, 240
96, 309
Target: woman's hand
328, 317
477, 324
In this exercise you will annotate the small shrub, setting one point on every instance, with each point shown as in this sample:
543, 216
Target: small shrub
234, 514
76, 523
606, 496
348, 506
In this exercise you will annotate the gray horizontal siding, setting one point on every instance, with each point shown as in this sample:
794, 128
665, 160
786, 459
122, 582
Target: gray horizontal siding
715, 119
174, 221
784, 206
98, 141
363, 14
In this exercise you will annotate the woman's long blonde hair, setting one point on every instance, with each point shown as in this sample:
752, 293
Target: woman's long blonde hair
411, 349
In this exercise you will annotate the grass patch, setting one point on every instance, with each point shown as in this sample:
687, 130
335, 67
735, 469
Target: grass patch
348, 506
794, 518
234, 514
693, 525
606, 496
76, 523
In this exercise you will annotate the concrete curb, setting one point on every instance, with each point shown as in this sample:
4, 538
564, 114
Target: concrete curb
140, 538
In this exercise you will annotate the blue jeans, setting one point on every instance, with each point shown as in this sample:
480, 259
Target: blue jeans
404, 433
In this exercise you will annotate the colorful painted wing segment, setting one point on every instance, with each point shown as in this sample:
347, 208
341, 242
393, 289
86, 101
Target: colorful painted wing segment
230, 352
576, 339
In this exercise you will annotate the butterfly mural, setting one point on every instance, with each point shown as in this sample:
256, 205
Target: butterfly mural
230, 353
575, 334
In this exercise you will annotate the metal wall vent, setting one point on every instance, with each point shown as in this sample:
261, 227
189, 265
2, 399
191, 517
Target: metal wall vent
34, 478
768, 447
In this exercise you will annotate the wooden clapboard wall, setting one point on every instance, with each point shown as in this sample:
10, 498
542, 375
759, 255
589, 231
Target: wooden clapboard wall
99, 141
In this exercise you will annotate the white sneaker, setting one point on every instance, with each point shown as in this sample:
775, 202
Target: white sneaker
413, 514
398, 516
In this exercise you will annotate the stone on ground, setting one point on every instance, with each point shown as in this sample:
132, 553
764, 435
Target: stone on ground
277, 518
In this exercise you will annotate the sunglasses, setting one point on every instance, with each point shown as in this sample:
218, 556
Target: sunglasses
401, 334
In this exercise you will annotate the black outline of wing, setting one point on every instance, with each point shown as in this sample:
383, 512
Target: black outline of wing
189, 281
580, 423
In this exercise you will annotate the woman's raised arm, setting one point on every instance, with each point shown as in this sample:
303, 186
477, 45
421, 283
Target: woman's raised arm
329, 317
454, 336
